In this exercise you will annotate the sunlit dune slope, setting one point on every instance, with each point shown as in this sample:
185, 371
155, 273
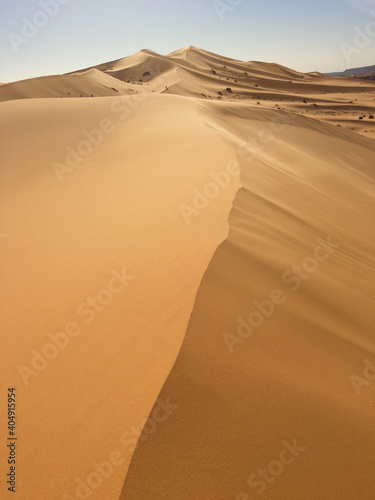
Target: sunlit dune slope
106, 243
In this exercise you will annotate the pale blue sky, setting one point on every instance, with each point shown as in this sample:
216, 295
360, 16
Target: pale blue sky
302, 34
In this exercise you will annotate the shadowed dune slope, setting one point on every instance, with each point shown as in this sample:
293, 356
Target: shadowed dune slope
269, 350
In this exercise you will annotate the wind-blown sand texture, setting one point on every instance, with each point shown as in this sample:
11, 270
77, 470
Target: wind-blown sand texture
207, 256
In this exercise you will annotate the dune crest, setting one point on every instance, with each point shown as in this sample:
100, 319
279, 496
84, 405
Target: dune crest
195, 72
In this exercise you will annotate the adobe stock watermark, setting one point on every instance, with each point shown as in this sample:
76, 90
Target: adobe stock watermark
39, 20
121, 107
59, 341
129, 441
222, 7
362, 39
366, 378
248, 151
93, 138
264, 478
201, 198
266, 307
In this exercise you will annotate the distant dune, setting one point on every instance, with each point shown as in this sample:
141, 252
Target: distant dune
188, 281
193, 72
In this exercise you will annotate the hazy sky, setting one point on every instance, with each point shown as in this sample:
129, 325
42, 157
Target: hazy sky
305, 35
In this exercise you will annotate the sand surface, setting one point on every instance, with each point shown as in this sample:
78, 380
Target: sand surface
139, 229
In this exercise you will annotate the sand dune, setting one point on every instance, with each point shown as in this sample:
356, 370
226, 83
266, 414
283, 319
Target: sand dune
118, 210
198, 73
154, 216
241, 396
91, 83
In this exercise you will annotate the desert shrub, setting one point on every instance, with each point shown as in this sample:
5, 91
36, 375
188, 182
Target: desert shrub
371, 117
146, 73
220, 93
213, 72
229, 90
